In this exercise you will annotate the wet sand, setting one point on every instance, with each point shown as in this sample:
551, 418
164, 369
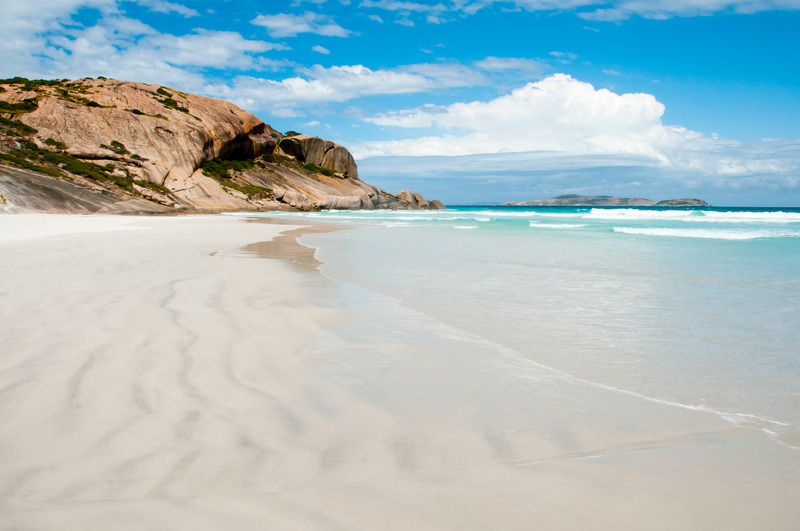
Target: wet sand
184, 374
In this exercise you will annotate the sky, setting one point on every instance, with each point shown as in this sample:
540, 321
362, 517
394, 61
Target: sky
472, 101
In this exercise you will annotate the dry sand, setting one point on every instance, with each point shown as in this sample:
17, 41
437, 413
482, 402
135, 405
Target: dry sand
164, 373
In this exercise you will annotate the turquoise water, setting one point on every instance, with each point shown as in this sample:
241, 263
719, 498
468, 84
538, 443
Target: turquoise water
695, 307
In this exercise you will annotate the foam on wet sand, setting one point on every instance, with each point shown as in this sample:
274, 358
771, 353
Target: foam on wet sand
169, 376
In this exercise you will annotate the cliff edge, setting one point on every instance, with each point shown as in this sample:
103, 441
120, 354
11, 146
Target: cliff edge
159, 149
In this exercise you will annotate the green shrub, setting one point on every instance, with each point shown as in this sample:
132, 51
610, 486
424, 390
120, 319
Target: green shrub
56, 144
21, 162
117, 147
317, 169
18, 127
153, 186
255, 192
291, 133
164, 92
220, 169
170, 103
14, 81
22, 107
23, 158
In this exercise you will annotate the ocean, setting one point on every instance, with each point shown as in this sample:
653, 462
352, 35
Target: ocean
695, 307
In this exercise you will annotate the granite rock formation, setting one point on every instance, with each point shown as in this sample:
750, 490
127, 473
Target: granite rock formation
171, 149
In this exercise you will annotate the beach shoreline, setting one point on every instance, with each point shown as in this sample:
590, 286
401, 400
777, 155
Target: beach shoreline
200, 372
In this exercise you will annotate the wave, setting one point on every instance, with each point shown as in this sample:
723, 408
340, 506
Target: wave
559, 214
752, 217
712, 216
538, 225
636, 214
715, 234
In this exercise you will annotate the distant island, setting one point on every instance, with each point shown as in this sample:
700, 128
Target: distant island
607, 200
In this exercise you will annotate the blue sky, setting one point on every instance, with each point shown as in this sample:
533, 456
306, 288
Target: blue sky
473, 100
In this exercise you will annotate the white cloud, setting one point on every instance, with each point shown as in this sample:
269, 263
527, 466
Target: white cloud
161, 6
321, 85
318, 85
564, 57
285, 25
662, 9
558, 113
561, 115
447, 75
321, 49
503, 64
120, 47
403, 7
614, 10
432, 14
205, 48
617, 10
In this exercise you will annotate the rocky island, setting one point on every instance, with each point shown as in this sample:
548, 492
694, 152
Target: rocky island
103, 145
606, 200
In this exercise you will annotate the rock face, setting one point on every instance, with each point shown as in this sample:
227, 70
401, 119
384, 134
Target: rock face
605, 200
25, 191
154, 141
323, 153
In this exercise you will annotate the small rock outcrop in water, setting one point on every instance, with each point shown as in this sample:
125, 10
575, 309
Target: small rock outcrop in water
156, 148
605, 200
408, 199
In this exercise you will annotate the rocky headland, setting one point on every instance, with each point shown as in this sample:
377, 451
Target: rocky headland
103, 145
606, 200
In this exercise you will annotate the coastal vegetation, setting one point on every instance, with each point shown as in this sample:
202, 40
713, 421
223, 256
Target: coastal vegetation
63, 89
16, 128
160, 188
318, 169
220, 170
24, 106
139, 112
31, 157
23, 152
57, 144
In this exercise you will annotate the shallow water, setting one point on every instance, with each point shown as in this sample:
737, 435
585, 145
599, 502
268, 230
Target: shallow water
700, 308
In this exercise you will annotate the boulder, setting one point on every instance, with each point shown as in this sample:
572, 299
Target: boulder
323, 153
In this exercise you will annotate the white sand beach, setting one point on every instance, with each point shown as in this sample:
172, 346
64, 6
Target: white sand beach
164, 373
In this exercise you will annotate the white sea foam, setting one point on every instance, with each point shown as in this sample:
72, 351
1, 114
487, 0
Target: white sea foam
707, 216
559, 214
715, 234
538, 225
463, 227
752, 217
636, 214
